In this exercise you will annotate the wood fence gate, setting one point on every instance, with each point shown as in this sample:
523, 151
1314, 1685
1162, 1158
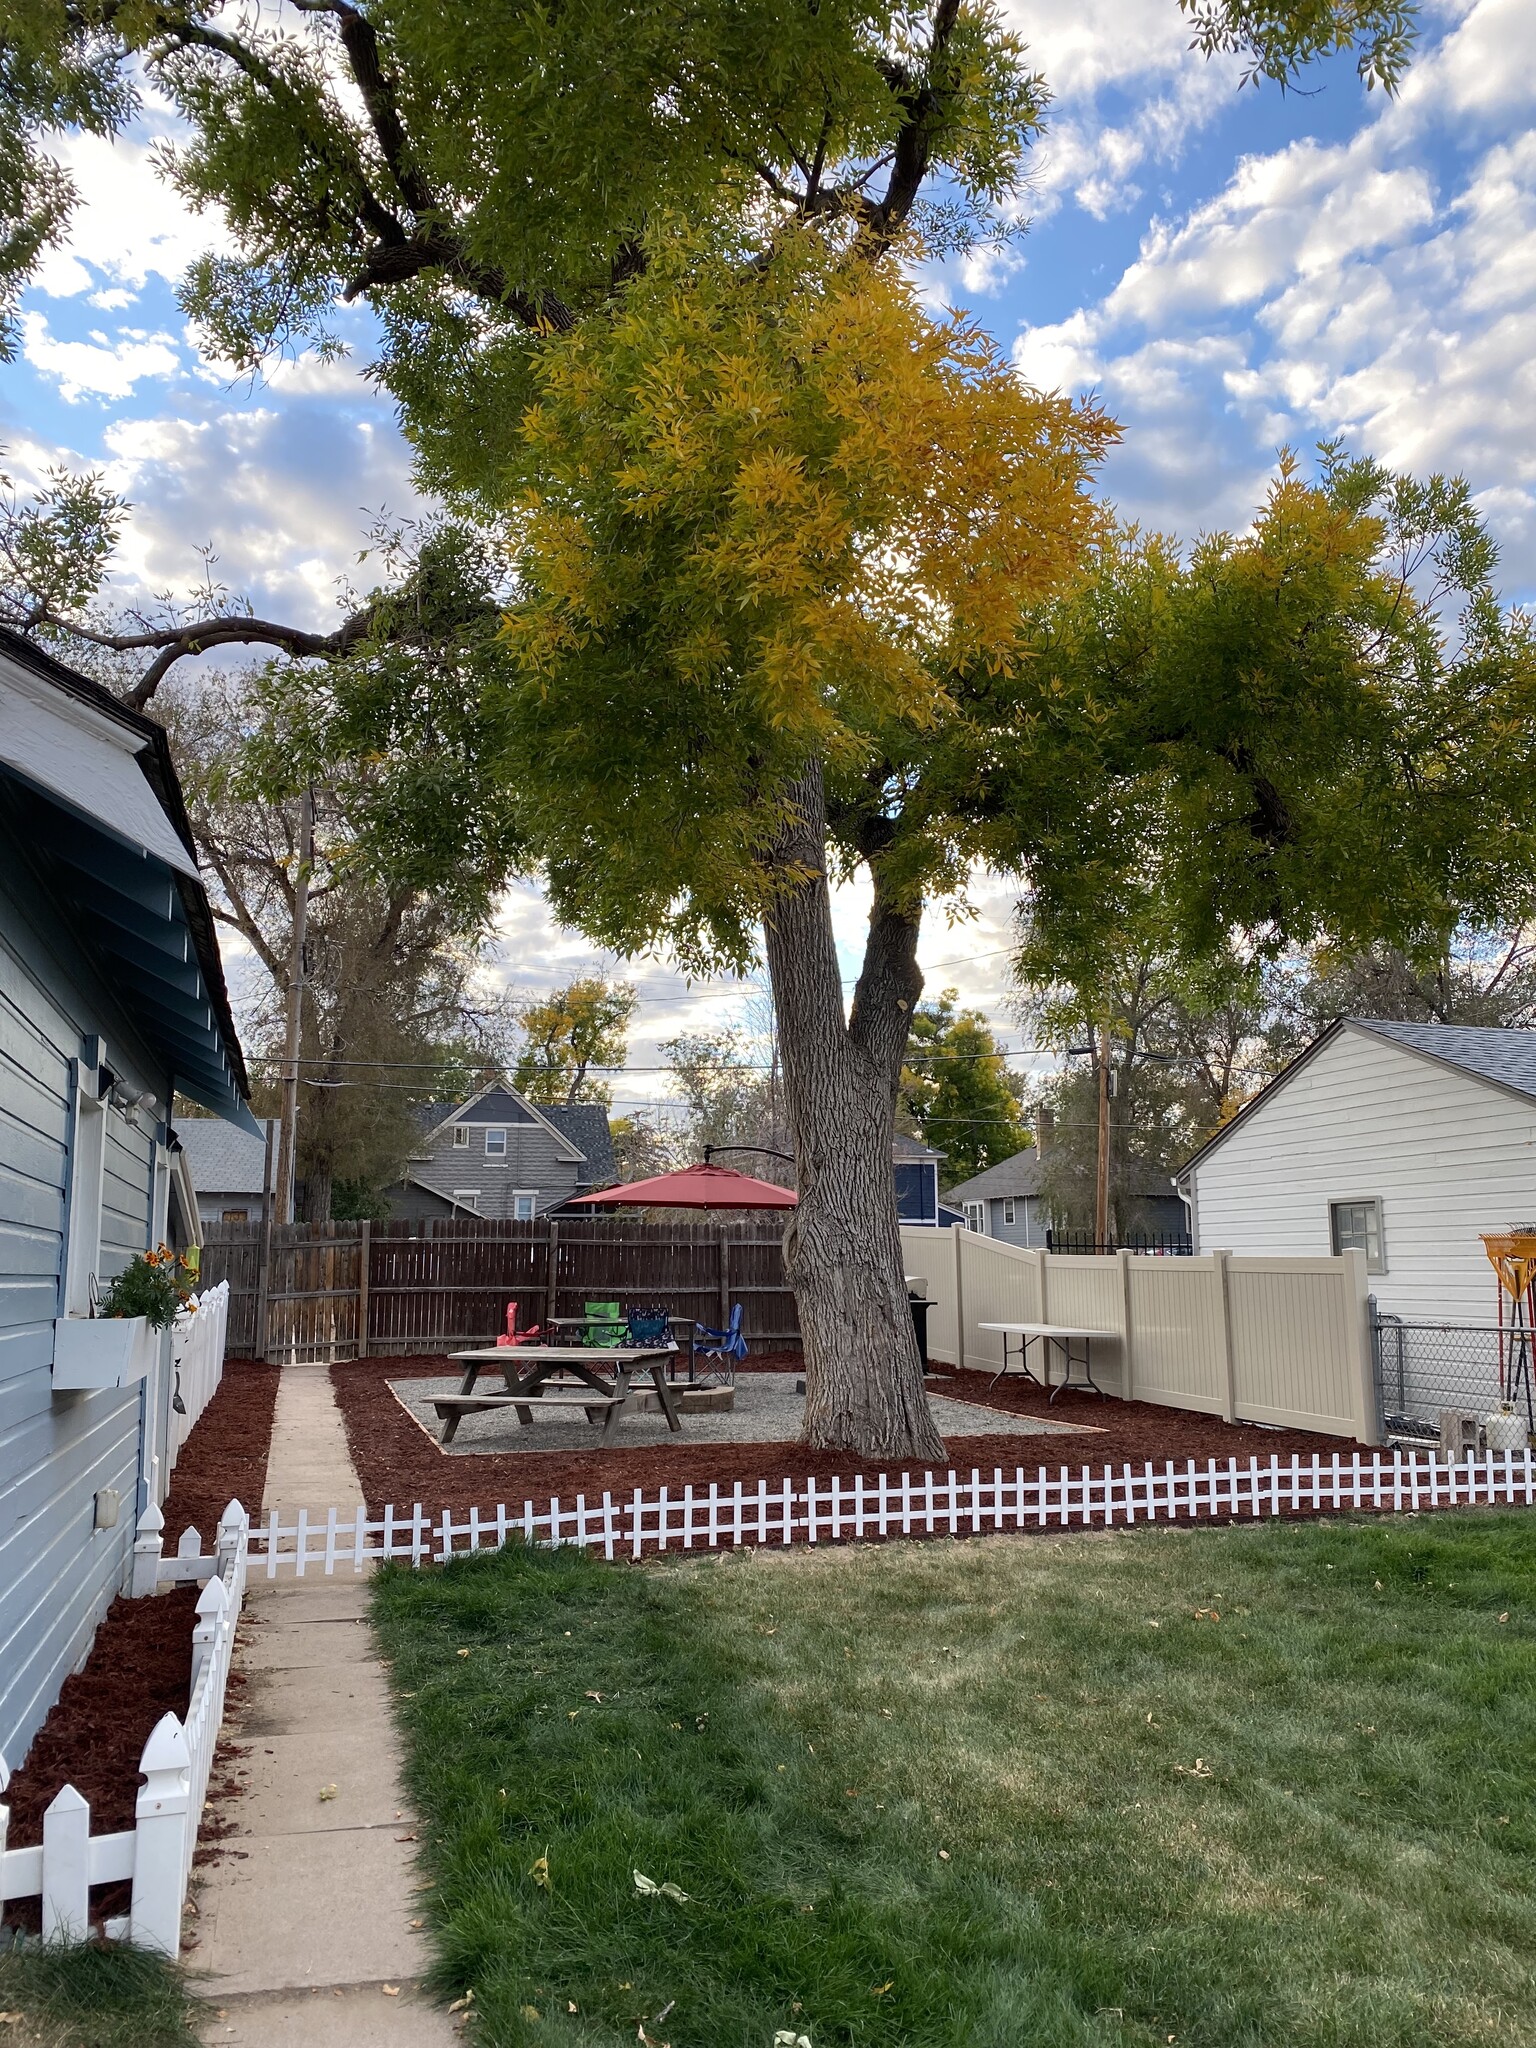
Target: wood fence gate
330, 1291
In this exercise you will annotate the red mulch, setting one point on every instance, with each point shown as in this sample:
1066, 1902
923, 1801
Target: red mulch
398, 1463
140, 1664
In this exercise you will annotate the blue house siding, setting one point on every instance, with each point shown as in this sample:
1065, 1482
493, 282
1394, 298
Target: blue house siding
58, 1573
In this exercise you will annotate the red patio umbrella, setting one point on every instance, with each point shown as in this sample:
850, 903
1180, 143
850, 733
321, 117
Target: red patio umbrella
692, 1187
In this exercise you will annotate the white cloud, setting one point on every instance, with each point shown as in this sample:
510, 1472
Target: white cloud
1382, 288
130, 225
99, 367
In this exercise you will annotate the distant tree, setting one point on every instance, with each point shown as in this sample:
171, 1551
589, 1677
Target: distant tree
956, 1089
1483, 977
582, 1026
726, 1095
641, 1147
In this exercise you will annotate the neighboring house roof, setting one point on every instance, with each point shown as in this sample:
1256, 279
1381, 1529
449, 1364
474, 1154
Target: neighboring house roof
98, 777
1502, 1059
497, 1103
585, 1125
1019, 1175
222, 1159
906, 1148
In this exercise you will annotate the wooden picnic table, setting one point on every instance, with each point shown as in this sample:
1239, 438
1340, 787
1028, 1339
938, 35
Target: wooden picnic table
529, 1370
1063, 1336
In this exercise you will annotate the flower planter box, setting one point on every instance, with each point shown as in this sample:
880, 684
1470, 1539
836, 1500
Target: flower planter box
102, 1351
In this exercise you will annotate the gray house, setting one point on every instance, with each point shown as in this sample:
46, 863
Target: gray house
228, 1167
1004, 1201
499, 1155
111, 997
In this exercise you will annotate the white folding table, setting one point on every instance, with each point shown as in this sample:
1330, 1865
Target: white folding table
1063, 1336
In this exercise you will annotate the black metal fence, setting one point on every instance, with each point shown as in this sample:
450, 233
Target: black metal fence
1083, 1244
1423, 1369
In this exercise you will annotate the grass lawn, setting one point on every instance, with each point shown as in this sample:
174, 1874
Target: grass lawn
973, 1794
94, 1996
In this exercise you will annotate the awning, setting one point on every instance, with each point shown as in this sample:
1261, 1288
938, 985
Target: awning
91, 792
87, 761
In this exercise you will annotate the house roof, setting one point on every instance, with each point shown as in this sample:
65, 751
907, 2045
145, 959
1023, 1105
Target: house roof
585, 1125
224, 1160
1019, 1175
1502, 1059
906, 1148
103, 818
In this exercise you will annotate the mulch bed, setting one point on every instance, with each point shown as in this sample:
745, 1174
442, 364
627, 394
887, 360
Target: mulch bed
140, 1664
398, 1463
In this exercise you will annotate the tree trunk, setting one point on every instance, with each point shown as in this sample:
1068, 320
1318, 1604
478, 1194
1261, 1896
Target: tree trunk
863, 1375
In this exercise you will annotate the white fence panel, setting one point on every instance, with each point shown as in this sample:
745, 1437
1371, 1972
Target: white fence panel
1301, 1348
156, 1855
929, 1256
197, 1353
904, 1504
1000, 1283
1178, 1333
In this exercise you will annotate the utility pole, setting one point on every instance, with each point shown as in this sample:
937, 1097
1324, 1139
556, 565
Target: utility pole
287, 1143
1101, 1184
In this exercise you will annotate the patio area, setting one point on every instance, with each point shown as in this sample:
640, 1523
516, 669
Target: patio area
767, 1410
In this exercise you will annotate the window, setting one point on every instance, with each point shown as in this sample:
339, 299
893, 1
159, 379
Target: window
470, 1197
524, 1202
236, 1216
1356, 1227
461, 1137
1008, 1209
495, 1142
976, 1217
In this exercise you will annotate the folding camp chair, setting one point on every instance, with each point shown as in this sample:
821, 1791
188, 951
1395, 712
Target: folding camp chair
725, 1346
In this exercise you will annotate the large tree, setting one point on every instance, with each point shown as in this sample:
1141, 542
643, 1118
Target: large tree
956, 1089
782, 542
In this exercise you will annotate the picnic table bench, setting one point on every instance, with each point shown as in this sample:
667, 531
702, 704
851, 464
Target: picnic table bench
1063, 1336
530, 1372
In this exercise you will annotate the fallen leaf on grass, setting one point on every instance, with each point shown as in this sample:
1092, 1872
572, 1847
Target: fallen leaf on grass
10, 2019
593, 1696
540, 1871
459, 2004
1198, 1769
879, 1990
1503, 1617
784, 2038
418, 1923
529, 2012
327, 1791
461, 1653
649, 1889
943, 1855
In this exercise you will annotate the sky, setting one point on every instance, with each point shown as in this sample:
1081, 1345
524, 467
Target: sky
1230, 270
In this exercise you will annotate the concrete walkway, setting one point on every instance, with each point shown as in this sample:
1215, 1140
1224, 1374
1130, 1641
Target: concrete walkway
307, 1915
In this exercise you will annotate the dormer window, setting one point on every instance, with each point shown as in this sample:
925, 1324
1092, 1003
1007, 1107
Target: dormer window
461, 1137
495, 1142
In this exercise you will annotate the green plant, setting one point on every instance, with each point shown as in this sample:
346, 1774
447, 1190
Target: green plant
152, 1284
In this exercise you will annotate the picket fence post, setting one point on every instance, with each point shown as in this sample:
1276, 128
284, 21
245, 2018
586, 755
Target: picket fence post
147, 1547
67, 1867
160, 1839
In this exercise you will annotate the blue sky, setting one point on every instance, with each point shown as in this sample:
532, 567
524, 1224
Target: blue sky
1230, 270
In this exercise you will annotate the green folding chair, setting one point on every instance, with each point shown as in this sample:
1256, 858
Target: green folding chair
605, 1326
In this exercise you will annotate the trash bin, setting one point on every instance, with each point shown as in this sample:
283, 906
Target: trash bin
920, 1307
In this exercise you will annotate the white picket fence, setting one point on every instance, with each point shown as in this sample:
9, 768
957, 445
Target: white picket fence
155, 1855
925, 1504
197, 1354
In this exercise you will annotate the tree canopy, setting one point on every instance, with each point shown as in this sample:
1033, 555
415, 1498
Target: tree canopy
569, 1033
957, 1091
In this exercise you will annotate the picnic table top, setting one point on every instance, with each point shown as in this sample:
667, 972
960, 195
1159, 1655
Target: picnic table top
1048, 1330
586, 1354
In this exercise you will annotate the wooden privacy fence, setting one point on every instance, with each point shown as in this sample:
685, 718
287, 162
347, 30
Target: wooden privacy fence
154, 1856
1284, 1341
333, 1291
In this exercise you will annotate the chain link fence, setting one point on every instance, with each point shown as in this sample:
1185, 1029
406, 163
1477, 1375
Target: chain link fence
1422, 1368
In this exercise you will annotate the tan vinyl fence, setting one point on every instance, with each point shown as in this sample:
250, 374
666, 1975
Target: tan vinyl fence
1283, 1341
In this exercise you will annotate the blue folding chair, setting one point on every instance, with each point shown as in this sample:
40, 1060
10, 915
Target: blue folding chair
726, 1346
